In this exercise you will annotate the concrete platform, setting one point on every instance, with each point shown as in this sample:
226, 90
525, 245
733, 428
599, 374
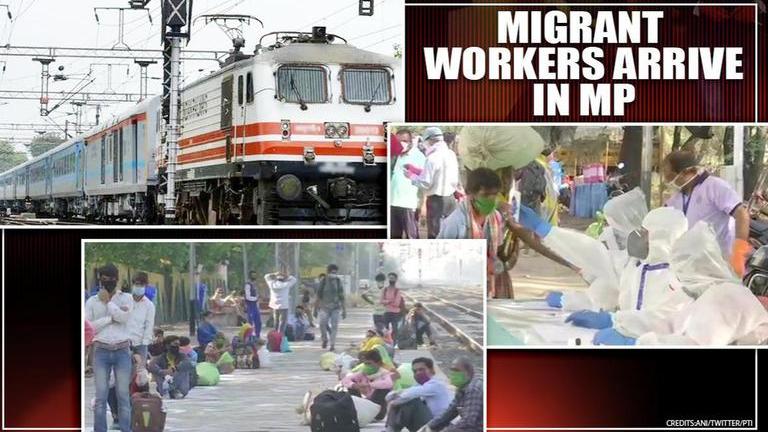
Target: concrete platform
263, 399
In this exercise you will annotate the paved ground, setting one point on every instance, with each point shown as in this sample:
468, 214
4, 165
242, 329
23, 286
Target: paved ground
263, 399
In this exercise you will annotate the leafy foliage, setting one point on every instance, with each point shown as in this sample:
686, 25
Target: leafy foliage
43, 143
9, 156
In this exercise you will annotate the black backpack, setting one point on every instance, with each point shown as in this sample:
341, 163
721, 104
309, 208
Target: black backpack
405, 337
333, 411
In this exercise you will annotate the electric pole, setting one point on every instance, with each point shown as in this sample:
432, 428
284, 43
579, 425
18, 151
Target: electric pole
143, 84
192, 289
45, 76
176, 14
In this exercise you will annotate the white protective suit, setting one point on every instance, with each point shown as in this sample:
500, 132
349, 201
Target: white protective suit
648, 290
724, 311
600, 266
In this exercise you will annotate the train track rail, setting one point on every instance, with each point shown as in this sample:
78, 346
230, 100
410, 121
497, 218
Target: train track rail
463, 321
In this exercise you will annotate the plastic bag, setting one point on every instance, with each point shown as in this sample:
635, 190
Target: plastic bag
207, 374
284, 346
406, 379
497, 147
327, 360
226, 363
264, 360
366, 410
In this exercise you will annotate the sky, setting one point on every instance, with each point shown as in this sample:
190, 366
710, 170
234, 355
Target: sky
71, 23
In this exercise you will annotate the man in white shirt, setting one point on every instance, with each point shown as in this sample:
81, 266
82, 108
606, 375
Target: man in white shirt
109, 312
142, 321
439, 179
415, 406
280, 285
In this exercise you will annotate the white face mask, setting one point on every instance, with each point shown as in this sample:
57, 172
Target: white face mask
672, 184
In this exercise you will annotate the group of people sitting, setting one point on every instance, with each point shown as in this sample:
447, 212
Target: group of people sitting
410, 395
402, 327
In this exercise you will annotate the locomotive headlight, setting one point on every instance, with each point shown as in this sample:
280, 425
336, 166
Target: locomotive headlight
343, 131
289, 187
330, 131
337, 130
368, 157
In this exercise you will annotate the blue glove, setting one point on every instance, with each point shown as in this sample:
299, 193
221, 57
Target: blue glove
555, 299
590, 319
609, 336
533, 222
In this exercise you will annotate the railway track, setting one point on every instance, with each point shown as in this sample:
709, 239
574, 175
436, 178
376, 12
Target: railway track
458, 311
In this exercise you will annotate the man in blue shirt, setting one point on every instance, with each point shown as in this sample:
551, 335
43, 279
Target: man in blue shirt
414, 407
206, 332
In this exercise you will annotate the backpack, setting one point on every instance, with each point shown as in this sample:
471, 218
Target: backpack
532, 184
333, 411
405, 336
274, 340
147, 414
330, 293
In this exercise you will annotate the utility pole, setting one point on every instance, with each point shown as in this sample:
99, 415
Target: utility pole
45, 63
78, 115
7, 10
176, 14
121, 24
192, 289
245, 263
144, 78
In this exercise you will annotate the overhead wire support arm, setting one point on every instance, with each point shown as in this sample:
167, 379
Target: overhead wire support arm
84, 96
106, 53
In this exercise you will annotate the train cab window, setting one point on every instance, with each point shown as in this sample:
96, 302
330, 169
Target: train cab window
366, 86
249, 88
302, 84
240, 90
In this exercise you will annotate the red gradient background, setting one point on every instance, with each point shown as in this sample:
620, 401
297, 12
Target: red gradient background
618, 388
508, 100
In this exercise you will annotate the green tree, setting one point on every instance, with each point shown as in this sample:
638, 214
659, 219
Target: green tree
43, 143
9, 156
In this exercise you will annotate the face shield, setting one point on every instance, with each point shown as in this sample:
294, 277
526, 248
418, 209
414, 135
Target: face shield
697, 261
625, 213
664, 225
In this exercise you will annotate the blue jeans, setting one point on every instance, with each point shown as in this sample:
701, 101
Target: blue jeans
104, 361
254, 316
143, 350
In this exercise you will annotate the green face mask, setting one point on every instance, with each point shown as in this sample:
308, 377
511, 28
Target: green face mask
370, 370
484, 206
458, 379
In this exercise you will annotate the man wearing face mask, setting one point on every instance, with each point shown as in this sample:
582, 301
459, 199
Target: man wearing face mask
280, 285
329, 305
467, 403
109, 312
439, 179
415, 406
142, 321
171, 370
391, 298
704, 197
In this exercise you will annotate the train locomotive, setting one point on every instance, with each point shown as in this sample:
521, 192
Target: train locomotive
293, 134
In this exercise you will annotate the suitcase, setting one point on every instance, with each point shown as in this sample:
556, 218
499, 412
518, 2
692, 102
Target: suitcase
147, 414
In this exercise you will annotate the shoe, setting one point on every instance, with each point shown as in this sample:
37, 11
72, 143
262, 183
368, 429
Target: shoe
332, 348
177, 395
115, 425
325, 344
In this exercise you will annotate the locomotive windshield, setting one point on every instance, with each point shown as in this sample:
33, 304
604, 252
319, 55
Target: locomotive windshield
302, 84
366, 86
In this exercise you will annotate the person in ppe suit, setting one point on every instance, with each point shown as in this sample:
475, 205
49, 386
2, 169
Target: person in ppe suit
723, 311
624, 214
648, 291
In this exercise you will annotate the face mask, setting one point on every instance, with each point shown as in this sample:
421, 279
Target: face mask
484, 206
333, 275
458, 379
138, 291
370, 369
392, 281
678, 187
109, 285
173, 349
421, 377
637, 244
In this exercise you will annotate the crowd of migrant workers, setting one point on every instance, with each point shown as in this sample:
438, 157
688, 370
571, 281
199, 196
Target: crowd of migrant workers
129, 357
